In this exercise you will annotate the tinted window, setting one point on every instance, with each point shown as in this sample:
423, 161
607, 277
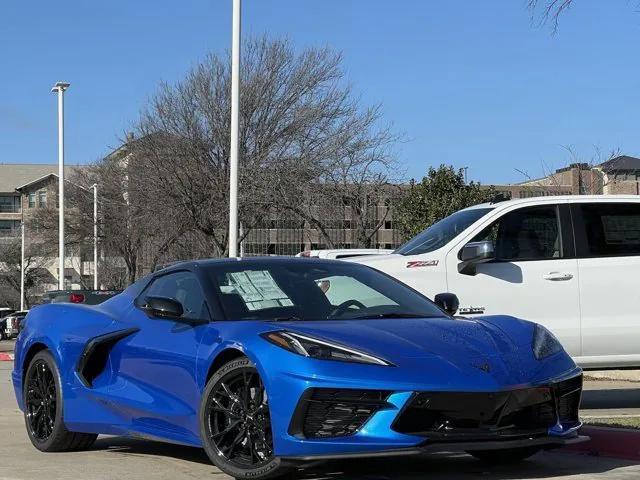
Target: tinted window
183, 287
612, 228
442, 232
525, 234
313, 291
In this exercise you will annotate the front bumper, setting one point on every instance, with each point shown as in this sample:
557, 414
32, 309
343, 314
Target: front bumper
369, 425
546, 443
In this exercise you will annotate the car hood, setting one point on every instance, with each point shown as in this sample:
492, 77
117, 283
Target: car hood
414, 337
457, 345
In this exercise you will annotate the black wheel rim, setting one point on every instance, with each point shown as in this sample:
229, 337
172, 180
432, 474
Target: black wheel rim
41, 401
238, 422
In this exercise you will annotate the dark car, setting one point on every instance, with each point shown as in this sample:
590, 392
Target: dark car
12, 324
88, 297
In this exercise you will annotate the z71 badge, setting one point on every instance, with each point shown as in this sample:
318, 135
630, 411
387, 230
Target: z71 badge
424, 263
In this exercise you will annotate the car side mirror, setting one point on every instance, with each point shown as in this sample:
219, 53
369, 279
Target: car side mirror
448, 302
163, 307
475, 253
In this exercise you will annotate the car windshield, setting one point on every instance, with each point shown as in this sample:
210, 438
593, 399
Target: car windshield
310, 290
442, 232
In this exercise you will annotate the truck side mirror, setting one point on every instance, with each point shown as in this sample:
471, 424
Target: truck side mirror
448, 302
475, 253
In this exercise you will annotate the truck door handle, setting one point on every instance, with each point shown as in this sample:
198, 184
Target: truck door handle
558, 276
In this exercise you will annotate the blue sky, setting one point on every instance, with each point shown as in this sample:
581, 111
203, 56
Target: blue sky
471, 83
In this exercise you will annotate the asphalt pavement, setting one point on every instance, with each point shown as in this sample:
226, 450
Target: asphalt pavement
123, 458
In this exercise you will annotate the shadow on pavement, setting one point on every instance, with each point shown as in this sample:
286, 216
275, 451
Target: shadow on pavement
450, 467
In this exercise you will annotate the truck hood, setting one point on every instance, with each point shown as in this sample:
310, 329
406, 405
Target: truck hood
373, 260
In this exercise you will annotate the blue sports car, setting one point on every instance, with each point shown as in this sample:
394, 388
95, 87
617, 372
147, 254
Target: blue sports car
272, 363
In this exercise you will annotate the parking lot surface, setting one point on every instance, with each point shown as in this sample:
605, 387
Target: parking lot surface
122, 458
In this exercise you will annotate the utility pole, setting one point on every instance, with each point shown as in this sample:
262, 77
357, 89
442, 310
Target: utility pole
60, 88
95, 236
235, 122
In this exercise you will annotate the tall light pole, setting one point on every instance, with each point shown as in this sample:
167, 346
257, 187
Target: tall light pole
22, 269
60, 88
235, 122
95, 236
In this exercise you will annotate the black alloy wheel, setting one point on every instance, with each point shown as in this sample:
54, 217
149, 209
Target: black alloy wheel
236, 425
43, 408
40, 401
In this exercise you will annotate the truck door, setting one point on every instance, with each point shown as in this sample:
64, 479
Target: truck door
534, 275
608, 247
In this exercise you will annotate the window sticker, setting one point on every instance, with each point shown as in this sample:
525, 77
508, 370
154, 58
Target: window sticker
258, 290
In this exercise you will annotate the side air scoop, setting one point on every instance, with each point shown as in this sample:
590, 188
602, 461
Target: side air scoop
95, 354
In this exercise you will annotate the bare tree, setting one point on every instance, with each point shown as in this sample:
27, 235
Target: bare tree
303, 137
35, 269
550, 10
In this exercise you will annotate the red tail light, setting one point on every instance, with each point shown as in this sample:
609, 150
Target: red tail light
76, 298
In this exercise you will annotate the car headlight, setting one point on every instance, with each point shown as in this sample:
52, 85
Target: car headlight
545, 343
320, 349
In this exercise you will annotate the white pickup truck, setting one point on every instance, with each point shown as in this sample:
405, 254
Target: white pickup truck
571, 263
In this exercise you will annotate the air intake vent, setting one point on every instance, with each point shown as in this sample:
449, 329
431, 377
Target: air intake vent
326, 413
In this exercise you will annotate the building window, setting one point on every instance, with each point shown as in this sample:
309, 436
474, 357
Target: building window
388, 225
42, 198
9, 228
32, 199
10, 204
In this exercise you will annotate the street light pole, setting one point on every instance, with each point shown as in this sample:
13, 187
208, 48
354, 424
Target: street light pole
95, 236
235, 122
60, 88
22, 269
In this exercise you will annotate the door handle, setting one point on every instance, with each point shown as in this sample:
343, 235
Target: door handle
558, 276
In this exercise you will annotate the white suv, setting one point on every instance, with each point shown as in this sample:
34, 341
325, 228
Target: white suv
571, 263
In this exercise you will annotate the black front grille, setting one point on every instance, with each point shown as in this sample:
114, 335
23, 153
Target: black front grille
478, 416
449, 415
326, 412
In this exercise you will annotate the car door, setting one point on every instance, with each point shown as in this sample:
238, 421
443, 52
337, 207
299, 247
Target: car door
608, 244
534, 275
156, 368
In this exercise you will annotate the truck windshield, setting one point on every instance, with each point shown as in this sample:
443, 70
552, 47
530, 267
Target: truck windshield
442, 232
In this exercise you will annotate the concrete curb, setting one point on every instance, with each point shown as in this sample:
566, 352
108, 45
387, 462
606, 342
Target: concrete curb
609, 442
6, 357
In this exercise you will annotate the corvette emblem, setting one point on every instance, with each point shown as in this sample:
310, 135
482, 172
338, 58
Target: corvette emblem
485, 367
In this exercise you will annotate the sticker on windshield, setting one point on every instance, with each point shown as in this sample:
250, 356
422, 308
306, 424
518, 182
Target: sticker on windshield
427, 263
258, 290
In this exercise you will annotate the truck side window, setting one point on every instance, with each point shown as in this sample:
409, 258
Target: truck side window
612, 229
531, 233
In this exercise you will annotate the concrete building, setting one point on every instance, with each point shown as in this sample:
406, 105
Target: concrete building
620, 175
24, 188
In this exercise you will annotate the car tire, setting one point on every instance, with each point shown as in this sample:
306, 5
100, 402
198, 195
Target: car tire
226, 415
506, 456
43, 409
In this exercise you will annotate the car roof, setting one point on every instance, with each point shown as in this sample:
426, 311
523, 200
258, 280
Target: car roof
558, 198
249, 262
